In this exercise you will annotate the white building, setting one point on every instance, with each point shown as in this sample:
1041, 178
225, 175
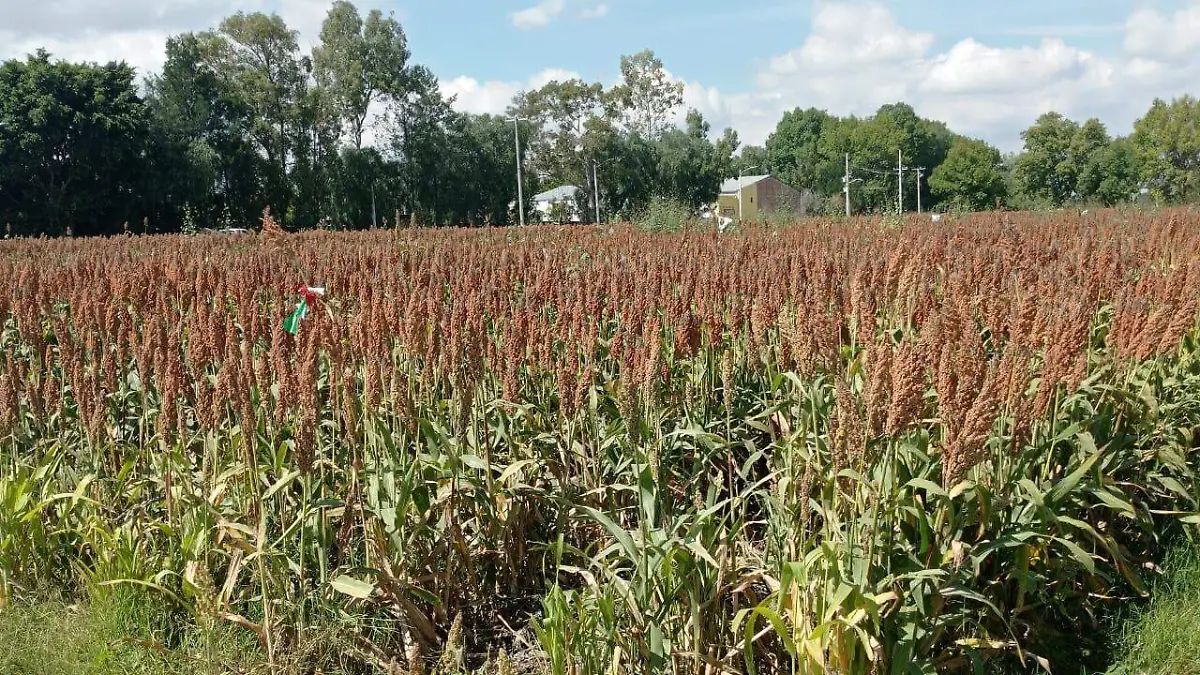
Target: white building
560, 205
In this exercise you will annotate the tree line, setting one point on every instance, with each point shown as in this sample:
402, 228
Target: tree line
1062, 161
356, 133
351, 135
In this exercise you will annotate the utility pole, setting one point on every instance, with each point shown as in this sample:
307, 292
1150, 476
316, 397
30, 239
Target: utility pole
374, 220
920, 172
596, 184
593, 182
739, 196
849, 180
900, 181
846, 187
740, 188
520, 193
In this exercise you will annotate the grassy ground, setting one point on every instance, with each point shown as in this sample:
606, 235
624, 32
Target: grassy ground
1164, 637
111, 636
54, 638
130, 633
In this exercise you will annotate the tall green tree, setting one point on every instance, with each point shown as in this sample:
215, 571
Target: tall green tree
970, 178
418, 133
628, 165
723, 163
257, 59
1167, 139
897, 132
560, 112
753, 158
1044, 172
925, 144
808, 149
313, 171
794, 151
689, 169
1091, 138
363, 189
360, 63
488, 185
73, 144
873, 154
1112, 173
646, 95
204, 167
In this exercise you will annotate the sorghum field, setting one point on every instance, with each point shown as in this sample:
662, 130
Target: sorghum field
844, 446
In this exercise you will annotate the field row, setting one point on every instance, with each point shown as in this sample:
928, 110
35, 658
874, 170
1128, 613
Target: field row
837, 446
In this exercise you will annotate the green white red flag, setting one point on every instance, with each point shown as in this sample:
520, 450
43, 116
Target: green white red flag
308, 297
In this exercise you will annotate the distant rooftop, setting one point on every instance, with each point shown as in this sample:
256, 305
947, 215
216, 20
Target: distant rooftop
558, 193
730, 187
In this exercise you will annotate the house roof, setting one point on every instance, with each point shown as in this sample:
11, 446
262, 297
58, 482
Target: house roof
560, 192
730, 187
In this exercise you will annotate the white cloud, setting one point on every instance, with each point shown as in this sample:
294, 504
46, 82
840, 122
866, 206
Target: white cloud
306, 16
973, 68
70, 18
494, 96
752, 115
597, 12
858, 57
134, 31
849, 35
1152, 33
477, 97
1069, 30
144, 50
538, 16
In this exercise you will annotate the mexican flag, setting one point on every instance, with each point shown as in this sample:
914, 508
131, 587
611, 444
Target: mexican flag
308, 296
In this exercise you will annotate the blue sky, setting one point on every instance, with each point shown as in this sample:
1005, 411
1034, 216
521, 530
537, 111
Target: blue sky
986, 68
454, 34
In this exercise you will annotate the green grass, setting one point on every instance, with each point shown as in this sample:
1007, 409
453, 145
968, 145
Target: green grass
114, 636
129, 632
1164, 637
54, 637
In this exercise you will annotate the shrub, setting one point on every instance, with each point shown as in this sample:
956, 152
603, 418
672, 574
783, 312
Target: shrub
666, 215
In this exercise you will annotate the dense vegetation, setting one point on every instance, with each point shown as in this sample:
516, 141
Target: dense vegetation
1062, 162
358, 132
833, 447
352, 134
